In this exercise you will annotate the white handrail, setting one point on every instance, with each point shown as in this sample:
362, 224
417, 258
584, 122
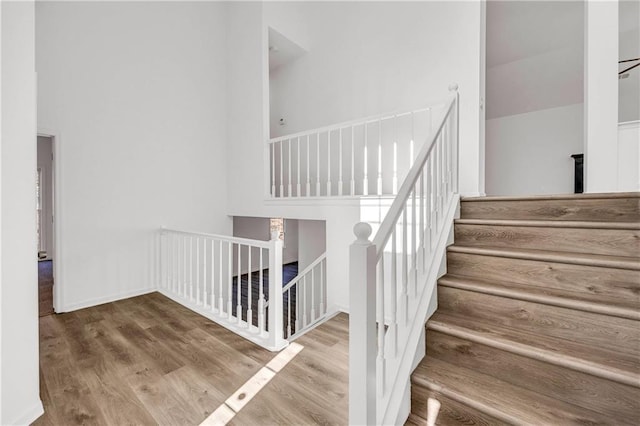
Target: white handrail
226, 238
304, 298
359, 121
304, 272
392, 216
393, 278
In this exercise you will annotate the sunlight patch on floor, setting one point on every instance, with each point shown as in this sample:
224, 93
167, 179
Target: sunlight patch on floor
236, 402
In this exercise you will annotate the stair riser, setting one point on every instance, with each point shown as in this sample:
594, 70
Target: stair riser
614, 242
612, 209
587, 391
451, 412
609, 282
618, 334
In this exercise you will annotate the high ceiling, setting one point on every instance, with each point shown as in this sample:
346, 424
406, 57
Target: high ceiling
521, 29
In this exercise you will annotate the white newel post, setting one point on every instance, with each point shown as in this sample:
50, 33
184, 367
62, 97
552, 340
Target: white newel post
362, 328
453, 88
276, 340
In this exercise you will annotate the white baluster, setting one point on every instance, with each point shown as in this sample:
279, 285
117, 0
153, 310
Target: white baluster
184, 268
213, 275
322, 286
281, 169
340, 164
422, 213
198, 270
379, 157
261, 325
289, 312
304, 301
414, 233
365, 180
220, 282
405, 266
191, 269
313, 298
249, 290
317, 164
380, 358
329, 163
308, 188
297, 324
298, 181
230, 281
273, 169
289, 172
353, 164
395, 158
239, 286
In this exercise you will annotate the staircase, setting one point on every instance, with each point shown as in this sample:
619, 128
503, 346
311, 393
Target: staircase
538, 318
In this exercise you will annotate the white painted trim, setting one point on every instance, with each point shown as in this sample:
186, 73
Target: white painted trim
30, 415
628, 124
106, 299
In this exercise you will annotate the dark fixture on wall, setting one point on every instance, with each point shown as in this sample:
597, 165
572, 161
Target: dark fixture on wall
625, 72
578, 185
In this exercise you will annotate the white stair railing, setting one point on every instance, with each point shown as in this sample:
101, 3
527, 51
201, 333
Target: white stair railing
393, 278
305, 298
357, 158
227, 280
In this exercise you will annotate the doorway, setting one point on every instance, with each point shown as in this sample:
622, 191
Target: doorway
45, 223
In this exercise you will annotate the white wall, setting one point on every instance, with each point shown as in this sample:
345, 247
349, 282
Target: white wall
381, 57
19, 385
312, 241
601, 87
135, 94
629, 156
45, 152
529, 154
628, 48
535, 75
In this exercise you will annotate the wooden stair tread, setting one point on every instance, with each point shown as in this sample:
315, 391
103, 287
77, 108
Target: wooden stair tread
415, 420
587, 196
499, 399
597, 361
596, 303
551, 223
622, 262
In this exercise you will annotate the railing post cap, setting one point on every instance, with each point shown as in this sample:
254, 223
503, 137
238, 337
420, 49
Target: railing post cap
362, 231
453, 87
275, 235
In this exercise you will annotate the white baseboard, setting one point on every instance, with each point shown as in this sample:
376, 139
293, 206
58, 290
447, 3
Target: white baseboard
106, 299
29, 416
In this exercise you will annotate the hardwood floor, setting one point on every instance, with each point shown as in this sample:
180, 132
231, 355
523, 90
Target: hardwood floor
147, 360
538, 318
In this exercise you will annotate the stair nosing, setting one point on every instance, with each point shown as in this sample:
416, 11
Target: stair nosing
458, 281
598, 196
545, 223
567, 361
556, 257
461, 398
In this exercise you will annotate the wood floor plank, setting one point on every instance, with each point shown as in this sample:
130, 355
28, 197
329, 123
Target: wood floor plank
148, 360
